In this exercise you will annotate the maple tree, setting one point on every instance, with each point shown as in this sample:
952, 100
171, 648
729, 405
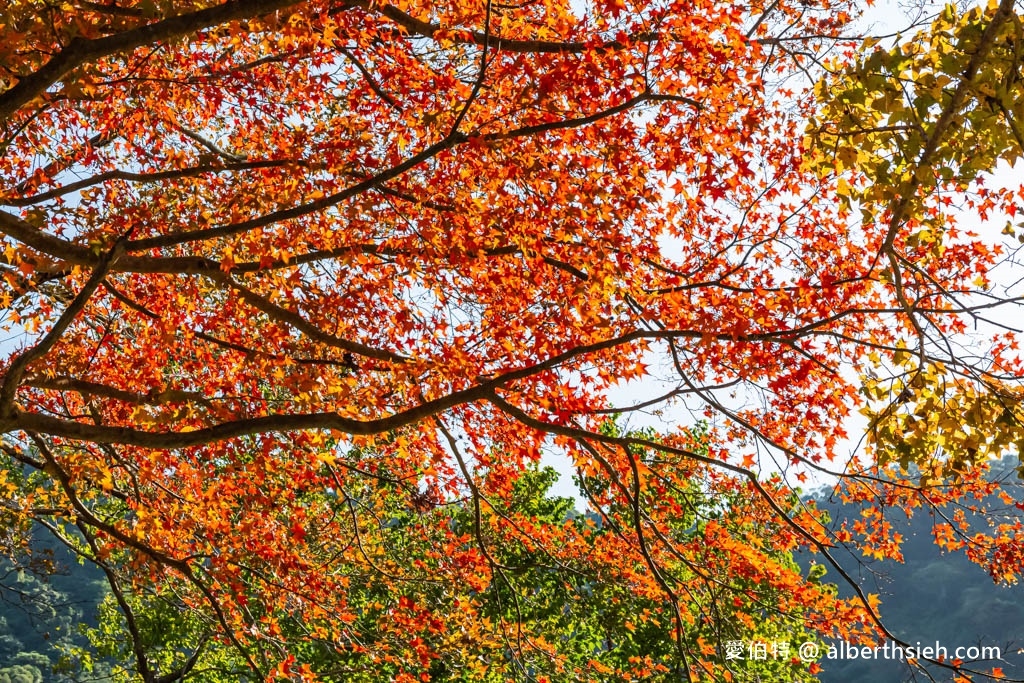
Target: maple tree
268, 257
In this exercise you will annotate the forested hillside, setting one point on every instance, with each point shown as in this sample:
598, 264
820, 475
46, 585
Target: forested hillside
933, 596
43, 612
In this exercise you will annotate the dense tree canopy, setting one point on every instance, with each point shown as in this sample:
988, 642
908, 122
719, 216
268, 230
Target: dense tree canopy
581, 622
289, 281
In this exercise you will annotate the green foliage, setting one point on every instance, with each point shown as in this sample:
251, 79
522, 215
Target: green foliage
596, 622
21, 673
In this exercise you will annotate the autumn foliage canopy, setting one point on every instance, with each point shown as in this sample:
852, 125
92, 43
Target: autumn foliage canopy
300, 298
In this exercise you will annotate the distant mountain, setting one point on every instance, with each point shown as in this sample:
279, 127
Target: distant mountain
40, 613
932, 597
